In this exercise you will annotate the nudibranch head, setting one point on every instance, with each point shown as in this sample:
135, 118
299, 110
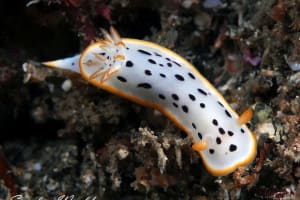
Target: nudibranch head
104, 58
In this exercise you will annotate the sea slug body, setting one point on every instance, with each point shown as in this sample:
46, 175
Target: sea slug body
154, 76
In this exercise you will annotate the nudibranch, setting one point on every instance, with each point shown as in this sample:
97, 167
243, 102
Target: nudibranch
157, 77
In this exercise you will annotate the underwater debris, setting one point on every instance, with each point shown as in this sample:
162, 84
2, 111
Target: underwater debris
34, 73
166, 146
295, 66
149, 137
6, 74
6, 177
66, 85
293, 151
151, 178
253, 60
294, 80
250, 179
202, 20
212, 4
284, 193
112, 156
189, 3
278, 11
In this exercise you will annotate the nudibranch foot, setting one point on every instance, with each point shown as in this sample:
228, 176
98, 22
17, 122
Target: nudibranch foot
246, 116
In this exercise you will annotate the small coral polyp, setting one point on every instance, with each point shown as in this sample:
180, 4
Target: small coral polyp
157, 77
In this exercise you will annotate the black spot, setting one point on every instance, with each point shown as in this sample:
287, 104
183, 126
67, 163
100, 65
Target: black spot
230, 133
227, 113
202, 91
73, 64
185, 109
151, 61
176, 63
122, 79
144, 52
163, 75
129, 63
211, 151
248, 125
215, 122
175, 105
221, 130
161, 96
232, 148
103, 53
220, 104
242, 130
200, 136
202, 105
192, 97
179, 77
157, 54
127, 48
161, 65
148, 72
144, 85
191, 75
182, 134
218, 140
169, 64
168, 59
194, 126
175, 97
107, 57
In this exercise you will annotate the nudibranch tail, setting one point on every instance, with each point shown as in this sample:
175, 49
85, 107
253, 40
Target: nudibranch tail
71, 63
157, 77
